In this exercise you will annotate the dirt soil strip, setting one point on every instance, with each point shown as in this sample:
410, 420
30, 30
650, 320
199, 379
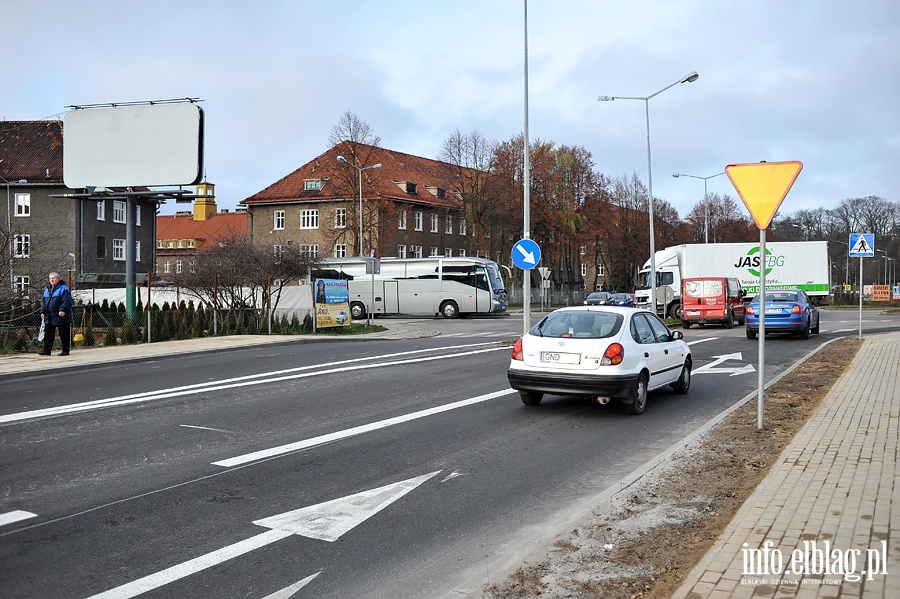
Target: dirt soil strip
642, 542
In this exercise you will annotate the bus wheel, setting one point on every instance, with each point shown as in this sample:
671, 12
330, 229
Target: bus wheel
449, 310
357, 311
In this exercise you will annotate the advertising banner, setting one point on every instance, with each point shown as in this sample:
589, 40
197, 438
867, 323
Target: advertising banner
332, 301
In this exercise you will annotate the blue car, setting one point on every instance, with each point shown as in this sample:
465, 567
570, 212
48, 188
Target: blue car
623, 299
787, 311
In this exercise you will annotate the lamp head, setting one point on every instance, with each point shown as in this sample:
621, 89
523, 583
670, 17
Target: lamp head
605, 98
690, 77
376, 165
676, 175
342, 159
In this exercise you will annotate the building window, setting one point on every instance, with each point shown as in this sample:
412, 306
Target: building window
340, 218
312, 184
433, 251
118, 249
416, 251
401, 220
462, 226
279, 220
21, 284
190, 243
584, 270
118, 211
401, 251
181, 244
417, 220
448, 252
192, 267
310, 249
309, 219
101, 247
22, 245
137, 216
159, 245
434, 223
462, 253
448, 225
101, 210
137, 251
278, 251
600, 270
582, 250
340, 250
167, 267
179, 267
23, 204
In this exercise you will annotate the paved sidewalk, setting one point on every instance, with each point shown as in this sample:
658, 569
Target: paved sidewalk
829, 510
31, 364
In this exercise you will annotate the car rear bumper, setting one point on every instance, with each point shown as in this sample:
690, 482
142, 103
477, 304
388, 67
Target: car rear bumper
572, 384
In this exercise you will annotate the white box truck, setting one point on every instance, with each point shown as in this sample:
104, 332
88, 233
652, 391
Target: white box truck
788, 264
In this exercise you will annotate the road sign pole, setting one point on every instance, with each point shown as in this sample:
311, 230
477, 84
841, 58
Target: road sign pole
761, 377
860, 295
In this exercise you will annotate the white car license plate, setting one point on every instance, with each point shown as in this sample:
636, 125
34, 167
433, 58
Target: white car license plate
693, 313
560, 358
773, 310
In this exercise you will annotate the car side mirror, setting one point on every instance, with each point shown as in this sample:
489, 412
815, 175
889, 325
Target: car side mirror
676, 335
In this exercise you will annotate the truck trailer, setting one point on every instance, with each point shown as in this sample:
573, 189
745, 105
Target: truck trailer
788, 264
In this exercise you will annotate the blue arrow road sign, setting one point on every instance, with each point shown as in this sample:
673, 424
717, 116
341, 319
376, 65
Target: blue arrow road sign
862, 245
526, 254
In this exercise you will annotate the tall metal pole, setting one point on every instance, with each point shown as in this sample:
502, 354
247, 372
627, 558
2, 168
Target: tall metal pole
360, 216
761, 381
526, 182
130, 255
706, 209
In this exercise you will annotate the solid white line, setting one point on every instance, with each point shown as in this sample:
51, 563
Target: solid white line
702, 340
357, 430
270, 377
16, 516
206, 428
163, 577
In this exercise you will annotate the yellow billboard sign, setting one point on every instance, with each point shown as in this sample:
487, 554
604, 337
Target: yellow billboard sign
763, 186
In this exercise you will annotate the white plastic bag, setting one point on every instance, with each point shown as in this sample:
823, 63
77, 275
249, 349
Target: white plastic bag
41, 332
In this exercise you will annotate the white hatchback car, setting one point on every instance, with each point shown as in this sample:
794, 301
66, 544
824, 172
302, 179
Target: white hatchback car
600, 351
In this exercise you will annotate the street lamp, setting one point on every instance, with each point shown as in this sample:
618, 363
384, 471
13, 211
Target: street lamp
360, 169
9, 238
689, 78
705, 200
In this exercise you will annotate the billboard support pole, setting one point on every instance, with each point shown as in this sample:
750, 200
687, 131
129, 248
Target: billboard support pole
130, 255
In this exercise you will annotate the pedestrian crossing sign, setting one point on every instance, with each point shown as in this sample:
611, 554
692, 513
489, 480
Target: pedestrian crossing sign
862, 245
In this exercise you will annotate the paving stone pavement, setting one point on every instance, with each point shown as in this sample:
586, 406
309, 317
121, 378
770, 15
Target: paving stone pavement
825, 522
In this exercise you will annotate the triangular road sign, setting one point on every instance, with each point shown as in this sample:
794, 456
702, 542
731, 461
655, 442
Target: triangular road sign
329, 520
763, 186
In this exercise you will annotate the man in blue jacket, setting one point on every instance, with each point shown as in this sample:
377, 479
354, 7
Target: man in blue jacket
56, 312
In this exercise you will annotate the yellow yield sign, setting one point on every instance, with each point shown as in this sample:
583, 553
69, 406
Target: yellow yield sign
763, 186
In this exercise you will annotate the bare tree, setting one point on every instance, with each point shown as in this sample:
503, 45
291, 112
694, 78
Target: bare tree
236, 273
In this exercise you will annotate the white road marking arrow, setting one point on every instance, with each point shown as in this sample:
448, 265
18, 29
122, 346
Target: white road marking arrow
326, 521
711, 367
290, 591
528, 257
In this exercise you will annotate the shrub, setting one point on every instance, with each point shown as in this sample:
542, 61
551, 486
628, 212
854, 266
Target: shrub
130, 332
110, 338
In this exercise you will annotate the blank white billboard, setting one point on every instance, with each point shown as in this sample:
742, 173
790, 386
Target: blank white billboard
122, 146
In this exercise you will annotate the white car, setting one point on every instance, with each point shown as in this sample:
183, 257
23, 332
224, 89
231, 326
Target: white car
600, 351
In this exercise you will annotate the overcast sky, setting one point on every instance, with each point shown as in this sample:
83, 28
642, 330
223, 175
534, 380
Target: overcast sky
809, 80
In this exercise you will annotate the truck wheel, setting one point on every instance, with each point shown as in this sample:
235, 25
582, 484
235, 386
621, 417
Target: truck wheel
685, 324
675, 312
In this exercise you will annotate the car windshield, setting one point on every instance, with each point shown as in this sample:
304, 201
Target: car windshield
598, 295
621, 296
579, 324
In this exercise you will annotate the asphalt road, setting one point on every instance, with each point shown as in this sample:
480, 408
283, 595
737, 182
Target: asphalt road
388, 469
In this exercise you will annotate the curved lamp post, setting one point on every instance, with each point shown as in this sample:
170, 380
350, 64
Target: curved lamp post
705, 200
689, 78
360, 169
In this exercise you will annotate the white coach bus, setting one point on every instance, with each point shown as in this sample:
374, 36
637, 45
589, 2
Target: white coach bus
450, 287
